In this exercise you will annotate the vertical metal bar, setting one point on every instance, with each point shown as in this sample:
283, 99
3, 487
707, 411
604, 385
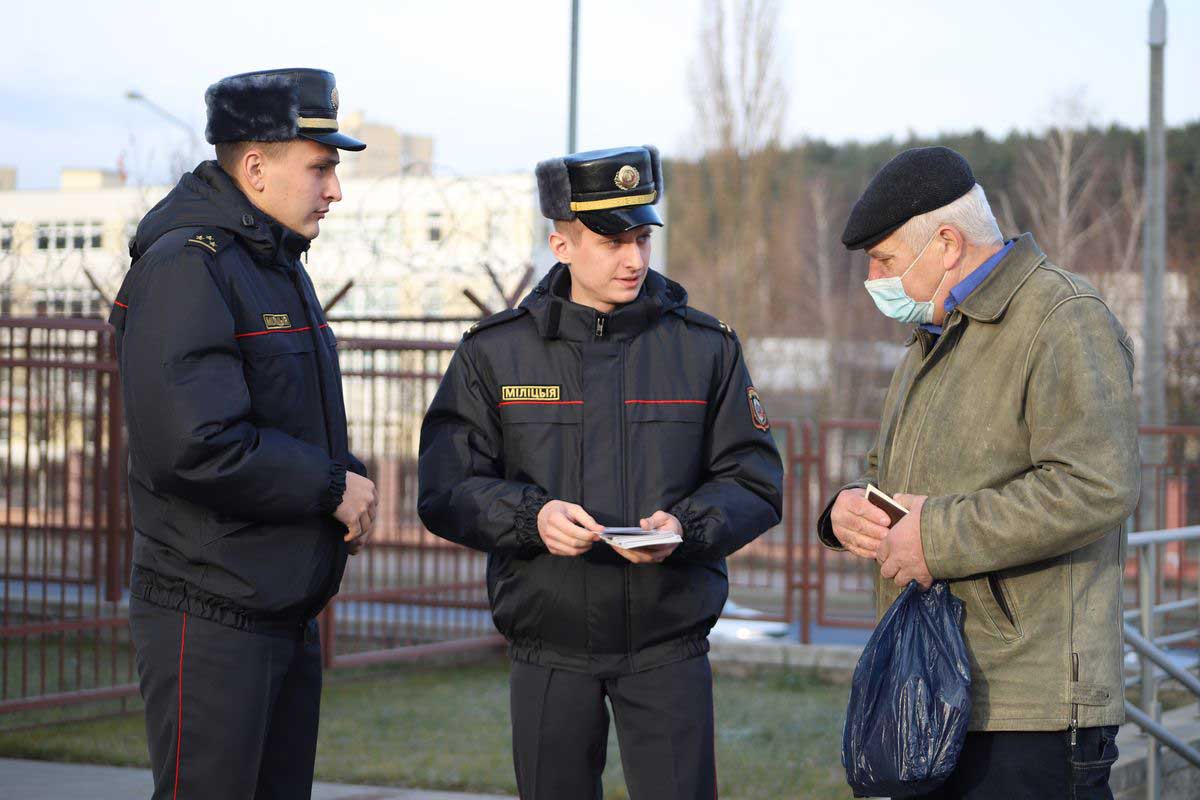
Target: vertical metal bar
113, 547
822, 491
29, 423
1154, 242
788, 525
9, 377
573, 111
1147, 558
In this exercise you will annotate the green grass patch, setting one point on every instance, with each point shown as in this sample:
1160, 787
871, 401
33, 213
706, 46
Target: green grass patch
778, 733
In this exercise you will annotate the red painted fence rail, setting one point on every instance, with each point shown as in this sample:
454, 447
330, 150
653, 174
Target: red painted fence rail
65, 534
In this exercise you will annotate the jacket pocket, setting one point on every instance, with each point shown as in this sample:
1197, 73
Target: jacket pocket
997, 606
218, 526
666, 447
542, 445
281, 374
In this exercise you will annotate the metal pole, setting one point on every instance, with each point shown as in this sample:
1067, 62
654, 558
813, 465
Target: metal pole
167, 115
574, 110
1154, 241
1146, 567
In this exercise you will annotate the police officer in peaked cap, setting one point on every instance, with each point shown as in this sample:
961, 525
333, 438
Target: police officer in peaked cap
603, 400
245, 497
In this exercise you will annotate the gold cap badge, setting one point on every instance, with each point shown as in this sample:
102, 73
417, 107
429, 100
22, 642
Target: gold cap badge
627, 177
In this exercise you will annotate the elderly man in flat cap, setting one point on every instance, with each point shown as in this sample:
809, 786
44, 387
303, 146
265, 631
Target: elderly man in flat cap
245, 497
1009, 434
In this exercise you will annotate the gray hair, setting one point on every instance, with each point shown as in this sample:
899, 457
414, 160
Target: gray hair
970, 214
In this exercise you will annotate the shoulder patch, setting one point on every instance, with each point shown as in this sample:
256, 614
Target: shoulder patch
758, 414
494, 320
690, 314
209, 239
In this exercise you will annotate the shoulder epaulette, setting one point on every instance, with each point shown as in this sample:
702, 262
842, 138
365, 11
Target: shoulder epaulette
209, 239
495, 319
700, 318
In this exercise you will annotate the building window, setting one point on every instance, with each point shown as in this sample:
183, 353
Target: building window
97, 238
79, 236
60, 236
43, 237
435, 233
6, 235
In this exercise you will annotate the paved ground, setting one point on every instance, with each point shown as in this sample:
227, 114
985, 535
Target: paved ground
46, 780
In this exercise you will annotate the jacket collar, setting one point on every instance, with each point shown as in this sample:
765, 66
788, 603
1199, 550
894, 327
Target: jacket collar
991, 298
558, 318
270, 242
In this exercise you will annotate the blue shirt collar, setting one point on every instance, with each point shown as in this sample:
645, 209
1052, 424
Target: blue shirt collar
969, 284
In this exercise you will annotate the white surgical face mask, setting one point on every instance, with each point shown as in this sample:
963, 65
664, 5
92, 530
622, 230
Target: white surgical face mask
891, 299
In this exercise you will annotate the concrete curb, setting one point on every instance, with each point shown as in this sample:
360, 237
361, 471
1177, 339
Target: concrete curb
48, 780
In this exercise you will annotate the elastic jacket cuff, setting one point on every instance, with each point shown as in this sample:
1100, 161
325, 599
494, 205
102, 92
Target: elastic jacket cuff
526, 522
694, 540
336, 490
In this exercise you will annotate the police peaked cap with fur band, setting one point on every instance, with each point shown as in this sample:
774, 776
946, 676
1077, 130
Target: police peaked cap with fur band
915, 182
610, 191
276, 105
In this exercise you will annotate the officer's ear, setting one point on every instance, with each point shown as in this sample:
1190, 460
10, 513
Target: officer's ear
563, 239
253, 169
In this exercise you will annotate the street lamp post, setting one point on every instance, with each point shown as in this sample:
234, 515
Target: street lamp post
574, 91
1154, 405
138, 97
1154, 244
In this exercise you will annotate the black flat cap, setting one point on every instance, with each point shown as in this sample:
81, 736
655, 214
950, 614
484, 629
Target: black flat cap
610, 191
916, 181
276, 105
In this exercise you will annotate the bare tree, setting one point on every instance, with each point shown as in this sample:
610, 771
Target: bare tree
1124, 231
739, 100
1061, 183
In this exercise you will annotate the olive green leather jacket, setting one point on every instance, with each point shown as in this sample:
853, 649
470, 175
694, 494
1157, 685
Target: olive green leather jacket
1019, 424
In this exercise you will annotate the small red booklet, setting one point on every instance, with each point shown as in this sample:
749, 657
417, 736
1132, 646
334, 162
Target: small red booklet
894, 510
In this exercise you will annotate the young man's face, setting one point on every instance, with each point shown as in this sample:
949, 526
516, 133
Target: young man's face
299, 184
606, 271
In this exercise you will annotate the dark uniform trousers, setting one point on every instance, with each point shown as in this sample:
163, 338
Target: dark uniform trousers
665, 730
1032, 765
230, 715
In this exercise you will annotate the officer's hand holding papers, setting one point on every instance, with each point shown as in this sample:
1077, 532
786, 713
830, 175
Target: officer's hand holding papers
660, 534
566, 529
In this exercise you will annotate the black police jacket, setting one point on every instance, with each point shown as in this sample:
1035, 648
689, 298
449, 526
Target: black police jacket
647, 408
233, 405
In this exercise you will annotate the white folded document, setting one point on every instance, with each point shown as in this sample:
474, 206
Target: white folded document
631, 538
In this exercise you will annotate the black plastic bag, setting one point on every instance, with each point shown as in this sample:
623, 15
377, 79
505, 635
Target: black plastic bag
911, 698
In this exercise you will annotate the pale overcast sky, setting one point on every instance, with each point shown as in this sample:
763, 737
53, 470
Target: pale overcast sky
488, 80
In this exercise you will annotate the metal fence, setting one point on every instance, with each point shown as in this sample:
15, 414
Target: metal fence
64, 554
65, 549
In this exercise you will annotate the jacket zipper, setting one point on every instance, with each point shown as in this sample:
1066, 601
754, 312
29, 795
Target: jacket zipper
316, 335
1074, 706
600, 320
601, 324
948, 325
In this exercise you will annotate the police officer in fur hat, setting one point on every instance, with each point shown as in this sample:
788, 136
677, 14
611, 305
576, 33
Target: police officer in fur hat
245, 497
603, 399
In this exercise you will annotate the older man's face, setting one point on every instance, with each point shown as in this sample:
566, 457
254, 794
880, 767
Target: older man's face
919, 273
